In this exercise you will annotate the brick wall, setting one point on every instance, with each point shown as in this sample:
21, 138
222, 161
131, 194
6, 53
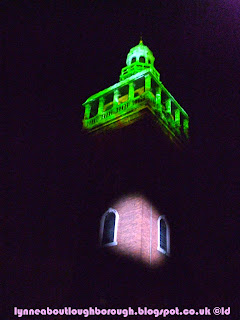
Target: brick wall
137, 234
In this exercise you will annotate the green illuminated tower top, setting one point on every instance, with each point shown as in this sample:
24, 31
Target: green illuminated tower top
139, 91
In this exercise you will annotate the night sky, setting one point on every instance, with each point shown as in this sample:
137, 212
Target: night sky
54, 55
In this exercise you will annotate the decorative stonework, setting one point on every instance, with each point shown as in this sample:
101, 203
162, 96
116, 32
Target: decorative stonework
139, 91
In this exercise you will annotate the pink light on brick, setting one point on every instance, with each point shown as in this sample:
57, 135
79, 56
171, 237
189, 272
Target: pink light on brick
137, 232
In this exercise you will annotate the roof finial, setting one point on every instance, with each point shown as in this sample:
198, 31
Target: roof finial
141, 40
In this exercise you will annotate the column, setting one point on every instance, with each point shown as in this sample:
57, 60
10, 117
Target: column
87, 111
148, 82
101, 105
185, 127
177, 117
131, 91
168, 106
159, 98
115, 97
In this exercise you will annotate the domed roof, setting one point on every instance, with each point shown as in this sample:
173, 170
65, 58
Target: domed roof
140, 53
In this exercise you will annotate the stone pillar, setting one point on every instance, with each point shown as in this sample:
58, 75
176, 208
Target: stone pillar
168, 106
131, 91
87, 111
159, 98
158, 95
101, 105
177, 117
115, 97
185, 127
148, 85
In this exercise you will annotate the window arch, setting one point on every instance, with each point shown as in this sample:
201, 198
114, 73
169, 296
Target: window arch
163, 236
133, 59
142, 59
108, 228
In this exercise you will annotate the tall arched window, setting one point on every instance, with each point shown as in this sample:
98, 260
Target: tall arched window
163, 235
142, 59
108, 228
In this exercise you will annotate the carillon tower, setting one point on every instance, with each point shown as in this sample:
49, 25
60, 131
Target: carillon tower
138, 92
137, 132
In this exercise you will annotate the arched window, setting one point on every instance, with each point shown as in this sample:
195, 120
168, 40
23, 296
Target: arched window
108, 228
163, 235
142, 59
133, 59
149, 61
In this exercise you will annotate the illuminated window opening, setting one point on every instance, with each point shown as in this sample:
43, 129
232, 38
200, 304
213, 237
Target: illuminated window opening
163, 236
142, 59
108, 228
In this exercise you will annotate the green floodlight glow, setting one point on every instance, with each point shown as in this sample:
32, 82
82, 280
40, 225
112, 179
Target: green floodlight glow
139, 90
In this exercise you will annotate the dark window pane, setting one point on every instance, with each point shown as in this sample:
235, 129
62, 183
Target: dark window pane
141, 59
108, 229
163, 235
133, 59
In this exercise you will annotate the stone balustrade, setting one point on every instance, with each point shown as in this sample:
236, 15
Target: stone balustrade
167, 112
138, 67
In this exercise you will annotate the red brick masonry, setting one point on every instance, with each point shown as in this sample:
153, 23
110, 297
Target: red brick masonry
137, 232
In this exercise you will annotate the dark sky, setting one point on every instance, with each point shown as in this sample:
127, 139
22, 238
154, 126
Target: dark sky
55, 54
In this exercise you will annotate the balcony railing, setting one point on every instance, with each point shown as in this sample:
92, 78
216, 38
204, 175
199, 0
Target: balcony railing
167, 118
137, 67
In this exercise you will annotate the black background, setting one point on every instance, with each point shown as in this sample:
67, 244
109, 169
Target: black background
55, 54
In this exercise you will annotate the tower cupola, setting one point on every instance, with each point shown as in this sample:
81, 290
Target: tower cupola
138, 59
140, 53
